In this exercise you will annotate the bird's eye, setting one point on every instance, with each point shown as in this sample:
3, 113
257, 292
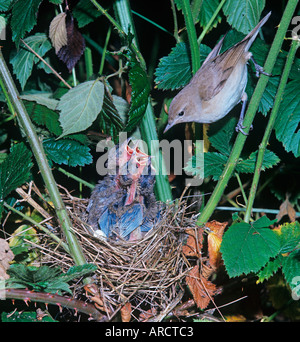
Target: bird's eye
181, 113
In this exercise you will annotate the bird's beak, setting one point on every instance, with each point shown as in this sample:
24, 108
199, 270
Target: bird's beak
167, 127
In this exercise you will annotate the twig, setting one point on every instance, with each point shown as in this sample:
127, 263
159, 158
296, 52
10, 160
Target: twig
48, 65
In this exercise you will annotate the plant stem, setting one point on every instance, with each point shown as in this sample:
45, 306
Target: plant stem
249, 117
39, 153
78, 179
42, 228
55, 299
104, 51
208, 26
147, 125
264, 143
191, 31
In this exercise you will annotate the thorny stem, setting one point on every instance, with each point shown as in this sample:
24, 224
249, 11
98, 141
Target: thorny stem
249, 117
50, 298
41, 159
264, 143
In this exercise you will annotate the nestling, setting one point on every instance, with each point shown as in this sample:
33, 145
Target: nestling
218, 86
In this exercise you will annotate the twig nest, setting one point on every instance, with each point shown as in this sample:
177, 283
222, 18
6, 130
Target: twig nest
148, 273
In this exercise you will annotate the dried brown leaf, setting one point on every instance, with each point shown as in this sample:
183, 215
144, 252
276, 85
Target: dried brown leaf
202, 289
214, 242
193, 244
126, 312
71, 53
58, 31
286, 208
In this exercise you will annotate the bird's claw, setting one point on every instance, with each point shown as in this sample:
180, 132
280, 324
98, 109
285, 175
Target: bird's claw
240, 128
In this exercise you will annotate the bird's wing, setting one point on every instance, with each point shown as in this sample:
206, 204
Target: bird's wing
107, 221
217, 71
131, 220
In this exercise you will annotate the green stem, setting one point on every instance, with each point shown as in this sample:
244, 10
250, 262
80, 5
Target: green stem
39, 153
212, 19
147, 126
191, 31
104, 51
251, 111
274, 112
42, 228
78, 179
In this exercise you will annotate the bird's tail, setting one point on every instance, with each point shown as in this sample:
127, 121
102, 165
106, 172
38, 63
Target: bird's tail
252, 35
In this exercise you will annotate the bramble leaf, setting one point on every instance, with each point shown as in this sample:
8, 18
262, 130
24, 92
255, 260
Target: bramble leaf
24, 60
288, 118
243, 15
80, 106
174, 71
68, 152
247, 249
24, 16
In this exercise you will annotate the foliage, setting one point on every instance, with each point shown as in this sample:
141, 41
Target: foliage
104, 85
44, 278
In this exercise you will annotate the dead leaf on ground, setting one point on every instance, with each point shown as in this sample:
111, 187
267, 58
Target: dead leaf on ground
202, 289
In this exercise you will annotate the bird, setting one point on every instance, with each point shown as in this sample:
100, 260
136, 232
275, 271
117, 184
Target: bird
123, 204
218, 86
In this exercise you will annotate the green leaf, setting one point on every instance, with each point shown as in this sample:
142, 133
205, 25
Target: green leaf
222, 134
140, 85
289, 236
288, 118
291, 271
243, 15
78, 271
24, 316
68, 152
80, 106
247, 249
15, 169
24, 60
270, 269
24, 15
5, 4
206, 11
174, 71
248, 165
41, 115
85, 12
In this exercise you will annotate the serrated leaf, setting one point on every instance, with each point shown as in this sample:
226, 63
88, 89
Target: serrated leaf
140, 85
206, 11
41, 115
247, 249
270, 269
291, 272
80, 106
174, 71
289, 236
77, 271
68, 152
222, 134
248, 165
58, 31
85, 13
15, 169
243, 15
5, 4
24, 16
288, 118
24, 60
42, 98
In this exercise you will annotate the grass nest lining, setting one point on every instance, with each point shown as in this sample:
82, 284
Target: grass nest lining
148, 273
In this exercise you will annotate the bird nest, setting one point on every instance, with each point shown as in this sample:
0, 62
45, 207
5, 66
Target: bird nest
149, 273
